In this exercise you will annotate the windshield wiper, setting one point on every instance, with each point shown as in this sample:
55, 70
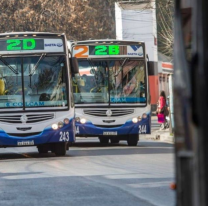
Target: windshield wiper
37, 64
91, 63
8, 65
121, 68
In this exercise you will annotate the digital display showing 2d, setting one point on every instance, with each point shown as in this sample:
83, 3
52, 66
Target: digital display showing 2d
21, 44
104, 50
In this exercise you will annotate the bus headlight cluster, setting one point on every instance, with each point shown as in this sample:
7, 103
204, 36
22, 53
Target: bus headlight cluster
77, 119
144, 116
81, 120
55, 126
60, 124
139, 118
134, 120
66, 121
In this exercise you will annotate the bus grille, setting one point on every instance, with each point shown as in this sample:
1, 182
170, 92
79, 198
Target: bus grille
115, 112
30, 118
24, 135
108, 126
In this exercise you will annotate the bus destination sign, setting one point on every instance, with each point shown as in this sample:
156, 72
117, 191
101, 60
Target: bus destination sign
83, 51
26, 45
104, 50
21, 44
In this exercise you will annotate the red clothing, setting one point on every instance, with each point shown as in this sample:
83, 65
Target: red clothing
162, 102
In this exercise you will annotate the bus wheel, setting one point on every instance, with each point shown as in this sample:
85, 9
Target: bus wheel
115, 141
133, 140
60, 149
104, 140
42, 149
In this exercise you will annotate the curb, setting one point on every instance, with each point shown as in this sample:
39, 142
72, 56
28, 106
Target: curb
161, 135
166, 138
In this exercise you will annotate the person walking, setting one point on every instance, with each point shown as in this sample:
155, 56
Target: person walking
161, 110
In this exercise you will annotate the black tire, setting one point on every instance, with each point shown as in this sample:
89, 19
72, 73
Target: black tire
104, 140
60, 149
43, 149
133, 140
115, 141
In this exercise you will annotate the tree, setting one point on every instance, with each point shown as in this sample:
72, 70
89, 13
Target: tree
164, 12
78, 19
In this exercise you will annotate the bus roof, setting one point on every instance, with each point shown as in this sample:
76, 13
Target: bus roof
19, 34
31, 42
107, 48
106, 41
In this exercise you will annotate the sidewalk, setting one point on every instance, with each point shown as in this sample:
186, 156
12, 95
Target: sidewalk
160, 135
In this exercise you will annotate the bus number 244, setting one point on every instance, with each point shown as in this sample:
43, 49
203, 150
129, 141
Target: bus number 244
142, 129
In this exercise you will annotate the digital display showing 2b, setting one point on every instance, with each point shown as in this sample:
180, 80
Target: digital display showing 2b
104, 50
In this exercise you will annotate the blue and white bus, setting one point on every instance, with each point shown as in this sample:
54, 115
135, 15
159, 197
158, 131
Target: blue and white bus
36, 98
111, 92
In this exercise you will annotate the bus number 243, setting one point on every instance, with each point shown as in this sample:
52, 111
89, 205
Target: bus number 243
64, 137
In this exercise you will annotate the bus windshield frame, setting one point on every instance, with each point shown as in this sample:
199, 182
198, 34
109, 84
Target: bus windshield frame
115, 82
21, 81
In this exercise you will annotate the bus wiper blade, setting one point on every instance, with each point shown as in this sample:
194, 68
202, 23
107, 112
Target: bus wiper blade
8, 65
123, 63
37, 64
90, 62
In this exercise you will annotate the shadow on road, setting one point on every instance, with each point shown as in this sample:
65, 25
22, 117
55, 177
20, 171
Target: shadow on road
90, 148
123, 144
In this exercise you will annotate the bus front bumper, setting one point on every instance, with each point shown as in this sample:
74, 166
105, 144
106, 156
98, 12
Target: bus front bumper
90, 130
48, 135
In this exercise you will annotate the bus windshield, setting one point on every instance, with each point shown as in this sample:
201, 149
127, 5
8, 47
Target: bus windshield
30, 82
110, 81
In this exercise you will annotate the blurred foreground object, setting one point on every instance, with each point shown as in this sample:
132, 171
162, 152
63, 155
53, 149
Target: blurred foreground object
190, 101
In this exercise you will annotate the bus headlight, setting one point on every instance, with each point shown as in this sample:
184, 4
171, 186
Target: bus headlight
54, 126
77, 119
144, 116
139, 118
83, 120
66, 121
134, 120
60, 124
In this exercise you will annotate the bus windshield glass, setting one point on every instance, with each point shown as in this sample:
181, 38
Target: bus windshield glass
127, 81
31, 82
110, 81
92, 84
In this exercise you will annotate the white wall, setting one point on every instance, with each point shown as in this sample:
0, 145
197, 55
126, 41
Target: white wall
138, 25
119, 28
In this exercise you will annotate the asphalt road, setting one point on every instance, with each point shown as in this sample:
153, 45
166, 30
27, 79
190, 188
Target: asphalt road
89, 175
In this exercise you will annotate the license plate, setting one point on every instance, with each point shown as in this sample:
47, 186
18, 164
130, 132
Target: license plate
24, 143
109, 133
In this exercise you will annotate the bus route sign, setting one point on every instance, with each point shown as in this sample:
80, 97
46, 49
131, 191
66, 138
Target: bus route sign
33, 45
83, 51
22, 44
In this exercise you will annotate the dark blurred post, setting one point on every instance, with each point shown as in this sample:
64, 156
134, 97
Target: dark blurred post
191, 101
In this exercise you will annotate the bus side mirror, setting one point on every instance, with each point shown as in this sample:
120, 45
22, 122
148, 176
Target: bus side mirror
74, 65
